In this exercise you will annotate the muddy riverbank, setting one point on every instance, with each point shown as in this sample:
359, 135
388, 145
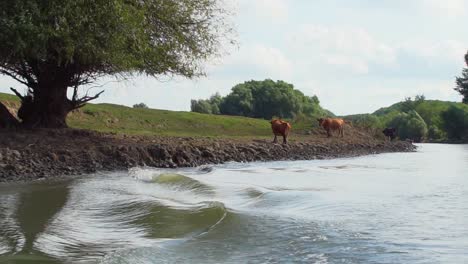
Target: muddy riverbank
41, 154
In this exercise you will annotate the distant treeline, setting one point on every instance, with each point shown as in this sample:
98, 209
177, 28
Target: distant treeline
262, 99
420, 120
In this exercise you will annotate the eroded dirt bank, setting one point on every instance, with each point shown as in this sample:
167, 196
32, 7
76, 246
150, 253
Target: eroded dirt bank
30, 155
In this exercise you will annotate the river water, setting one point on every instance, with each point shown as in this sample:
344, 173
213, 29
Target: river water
387, 208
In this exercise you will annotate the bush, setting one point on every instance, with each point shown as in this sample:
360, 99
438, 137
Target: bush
367, 121
262, 99
410, 126
435, 134
200, 106
455, 121
140, 105
210, 106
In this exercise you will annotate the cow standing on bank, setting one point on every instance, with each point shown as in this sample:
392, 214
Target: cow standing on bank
280, 128
332, 124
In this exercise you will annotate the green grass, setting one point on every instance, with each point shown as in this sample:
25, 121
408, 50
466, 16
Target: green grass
121, 119
8, 97
137, 121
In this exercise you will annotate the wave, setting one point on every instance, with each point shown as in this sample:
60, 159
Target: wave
183, 183
253, 192
127, 224
163, 222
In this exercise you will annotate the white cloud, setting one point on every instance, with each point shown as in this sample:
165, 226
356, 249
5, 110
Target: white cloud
271, 59
370, 96
353, 48
449, 8
451, 51
354, 51
357, 65
261, 60
271, 11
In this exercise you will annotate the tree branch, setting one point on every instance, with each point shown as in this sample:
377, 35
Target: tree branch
14, 77
25, 75
17, 93
82, 101
75, 93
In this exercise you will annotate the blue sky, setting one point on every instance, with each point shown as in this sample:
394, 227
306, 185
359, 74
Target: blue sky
355, 55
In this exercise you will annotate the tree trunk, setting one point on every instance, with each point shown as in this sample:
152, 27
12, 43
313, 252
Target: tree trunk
48, 107
7, 120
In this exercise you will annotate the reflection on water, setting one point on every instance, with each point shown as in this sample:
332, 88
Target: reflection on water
26, 215
389, 208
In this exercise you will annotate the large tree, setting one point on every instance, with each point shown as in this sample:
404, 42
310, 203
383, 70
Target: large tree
462, 85
462, 82
262, 99
54, 47
455, 122
265, 99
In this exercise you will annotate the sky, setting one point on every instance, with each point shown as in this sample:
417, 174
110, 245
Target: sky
355, 55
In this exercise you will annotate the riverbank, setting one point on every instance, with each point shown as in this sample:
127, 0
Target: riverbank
45, 154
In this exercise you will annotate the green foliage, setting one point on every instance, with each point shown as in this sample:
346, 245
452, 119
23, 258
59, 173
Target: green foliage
215, 101
201, 106
435, 134
55, 45
455, 122
386, 119
420, 98
238, 102
140, 105
368, 121
407, 105
262, 99
210, 106
409, 126
86, 39
462, 85
432, 112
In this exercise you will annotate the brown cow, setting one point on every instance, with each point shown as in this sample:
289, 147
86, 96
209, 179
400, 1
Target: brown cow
331, 124
280, 128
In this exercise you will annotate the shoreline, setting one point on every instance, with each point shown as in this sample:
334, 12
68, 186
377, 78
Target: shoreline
48, 154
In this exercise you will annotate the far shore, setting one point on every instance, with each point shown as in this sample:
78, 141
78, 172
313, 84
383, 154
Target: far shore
48, 154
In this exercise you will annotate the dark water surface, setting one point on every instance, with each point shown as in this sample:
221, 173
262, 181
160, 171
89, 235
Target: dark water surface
388, 208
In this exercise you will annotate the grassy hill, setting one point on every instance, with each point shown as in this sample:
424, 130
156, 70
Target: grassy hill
121, 119
126, 120
8, 98
444, 121
140, 121
430, 110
